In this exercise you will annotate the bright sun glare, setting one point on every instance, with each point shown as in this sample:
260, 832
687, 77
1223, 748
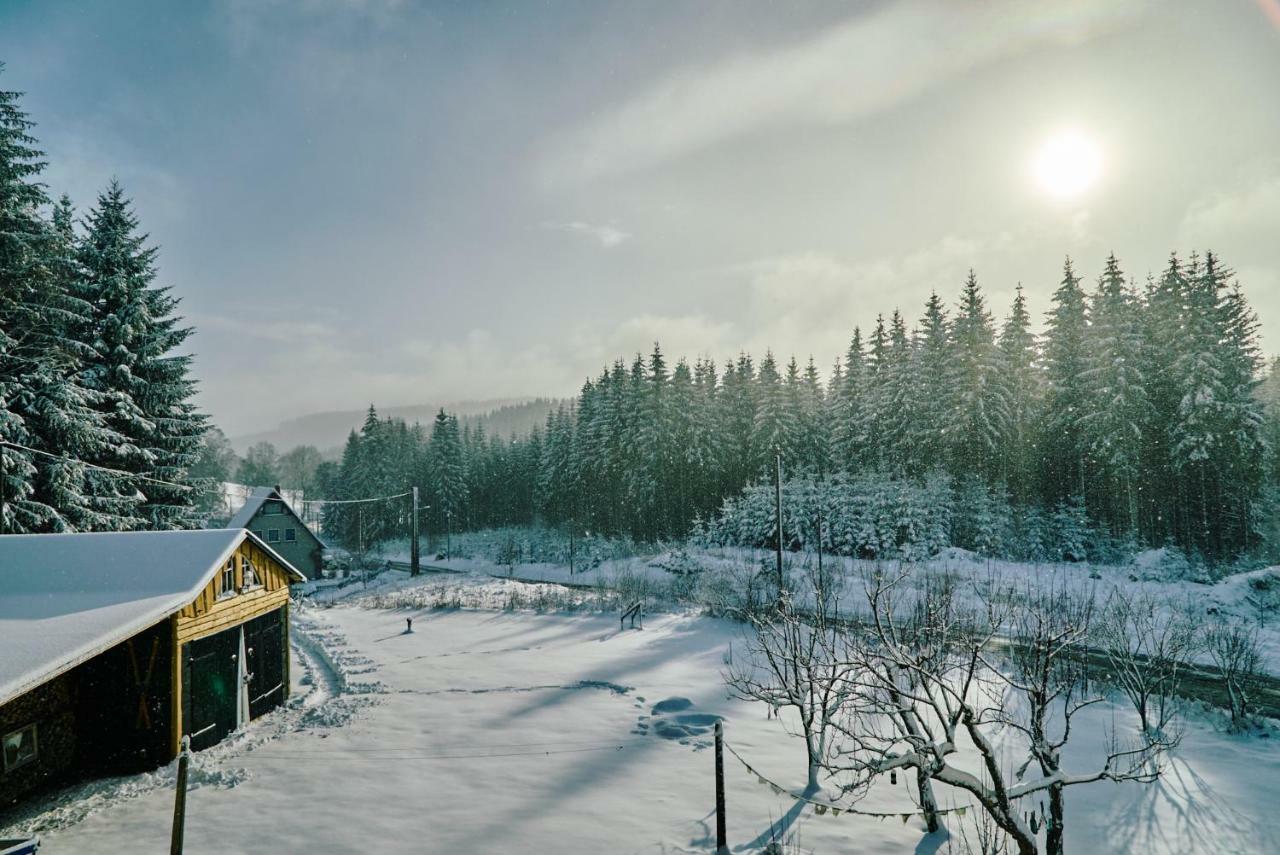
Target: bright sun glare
1067, 164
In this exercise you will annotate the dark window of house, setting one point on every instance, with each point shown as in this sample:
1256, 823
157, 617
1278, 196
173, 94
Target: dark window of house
20, 747
290, 534
273, 508
273, 535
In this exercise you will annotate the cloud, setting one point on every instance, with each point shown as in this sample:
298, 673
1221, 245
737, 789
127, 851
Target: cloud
608, 236
856, 69
1248, 212
288, 332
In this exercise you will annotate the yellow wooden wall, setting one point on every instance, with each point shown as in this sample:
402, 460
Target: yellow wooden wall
212, 612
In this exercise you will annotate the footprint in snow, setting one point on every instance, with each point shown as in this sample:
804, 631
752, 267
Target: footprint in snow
675, 720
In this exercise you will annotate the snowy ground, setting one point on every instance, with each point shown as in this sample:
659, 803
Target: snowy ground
485, 730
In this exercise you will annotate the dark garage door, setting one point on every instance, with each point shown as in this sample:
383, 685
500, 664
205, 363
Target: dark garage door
209, 677
264, 648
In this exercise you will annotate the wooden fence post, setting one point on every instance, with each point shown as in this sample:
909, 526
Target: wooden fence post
180, 798
722, 845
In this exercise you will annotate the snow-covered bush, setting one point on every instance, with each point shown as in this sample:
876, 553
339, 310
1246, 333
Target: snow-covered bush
1169, 564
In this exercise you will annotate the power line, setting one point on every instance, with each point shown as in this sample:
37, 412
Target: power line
835, 809
210, 490
354, 501
107, 469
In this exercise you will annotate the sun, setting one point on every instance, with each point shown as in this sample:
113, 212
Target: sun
1067, 164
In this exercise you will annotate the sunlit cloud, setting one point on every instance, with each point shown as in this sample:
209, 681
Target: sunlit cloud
607, 236
866, 65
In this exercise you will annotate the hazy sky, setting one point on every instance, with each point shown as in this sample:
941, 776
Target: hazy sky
399, 202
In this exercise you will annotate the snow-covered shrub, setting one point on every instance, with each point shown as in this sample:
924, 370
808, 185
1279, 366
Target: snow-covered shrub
1169, 564
982, 518
1070, 532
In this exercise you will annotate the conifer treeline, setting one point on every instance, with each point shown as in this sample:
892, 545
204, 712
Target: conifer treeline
1137, 407
87, 365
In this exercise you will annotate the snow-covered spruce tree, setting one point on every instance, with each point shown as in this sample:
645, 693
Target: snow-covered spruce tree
1115, 413
897, 404
1026, 385
933, 389
60, 411
1065, 353
813, 429
1165, 316
677, 511
555, 480
1218, 448
978, 426
25, 247
145, 387
1246, 443
851, 410
704, 452
775, 424
588, 452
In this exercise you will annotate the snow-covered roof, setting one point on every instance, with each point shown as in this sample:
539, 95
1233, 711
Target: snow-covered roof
254, 503
251, 506
64, 598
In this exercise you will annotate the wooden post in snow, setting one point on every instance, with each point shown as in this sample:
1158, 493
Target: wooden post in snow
722, 844
180, 798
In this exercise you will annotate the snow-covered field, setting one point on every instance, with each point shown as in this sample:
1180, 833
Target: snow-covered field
484, 730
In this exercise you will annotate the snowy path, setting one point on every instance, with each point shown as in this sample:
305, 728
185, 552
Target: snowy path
486, 731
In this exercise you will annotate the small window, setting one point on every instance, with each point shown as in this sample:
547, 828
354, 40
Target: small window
228, 588
20, 747
290, 535
248, 575
258, 535
273, 535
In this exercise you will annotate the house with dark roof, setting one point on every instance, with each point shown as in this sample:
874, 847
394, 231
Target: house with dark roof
114, 646
268, 515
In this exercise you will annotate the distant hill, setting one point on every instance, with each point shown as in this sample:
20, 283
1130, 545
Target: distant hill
328, 431
514, 419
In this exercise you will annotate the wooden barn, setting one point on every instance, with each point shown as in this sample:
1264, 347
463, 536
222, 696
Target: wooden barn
113, 646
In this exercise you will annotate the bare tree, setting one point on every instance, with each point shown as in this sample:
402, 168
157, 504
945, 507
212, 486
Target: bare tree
924, 676
1234, 649
795, 661
1149, 643
987, 839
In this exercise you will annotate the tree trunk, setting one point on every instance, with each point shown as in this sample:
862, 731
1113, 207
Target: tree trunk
1053, 833
928, 803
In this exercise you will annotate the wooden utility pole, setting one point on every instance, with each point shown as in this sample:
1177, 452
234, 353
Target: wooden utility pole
414, 567
722, 843
180, 798
448, 542
571, 549
777, 507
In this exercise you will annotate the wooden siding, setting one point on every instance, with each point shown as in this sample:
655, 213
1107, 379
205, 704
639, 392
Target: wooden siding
212, 612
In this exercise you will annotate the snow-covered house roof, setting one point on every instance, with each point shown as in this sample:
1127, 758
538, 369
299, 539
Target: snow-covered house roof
256, 499
65, 598
251, 506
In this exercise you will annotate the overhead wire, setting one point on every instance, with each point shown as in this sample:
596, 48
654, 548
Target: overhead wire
210, 490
